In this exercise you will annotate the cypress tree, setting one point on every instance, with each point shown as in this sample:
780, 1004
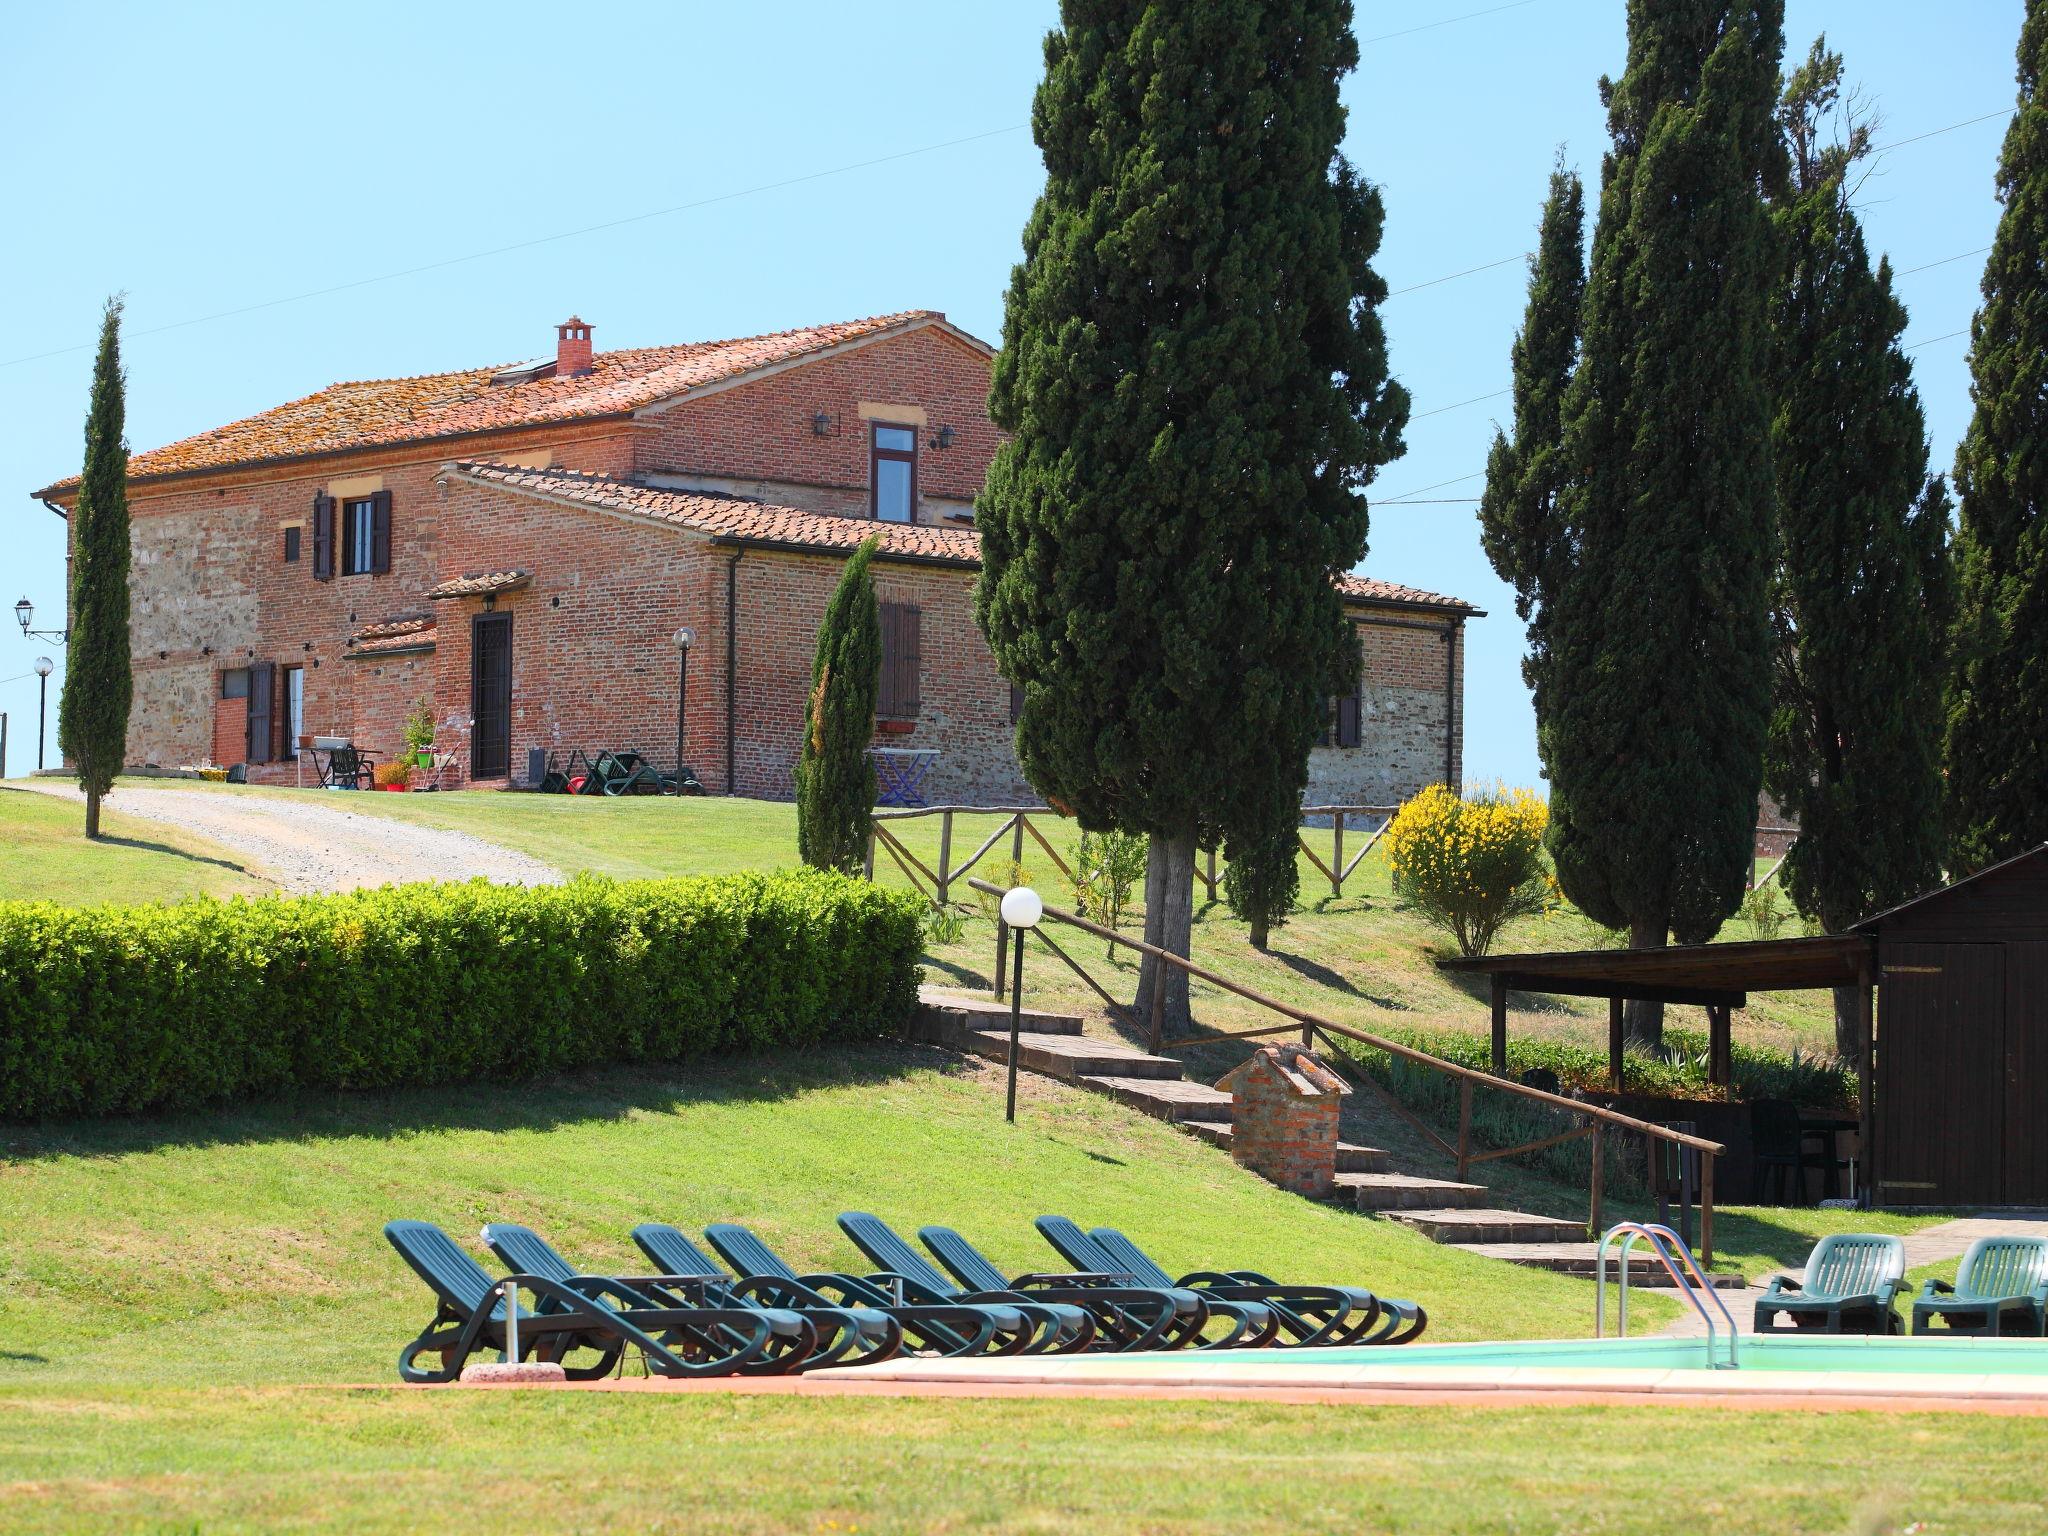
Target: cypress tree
1518, 513
1860, 589
1997, 739
92, 714
835, 777
1263, 877
1194, 380
1658, 682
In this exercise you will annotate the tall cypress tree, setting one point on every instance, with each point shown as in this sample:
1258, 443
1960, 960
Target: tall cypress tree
92, 715
1658, 666
1518, 514
835, 777
1860, 592
1194, 380
1997, 740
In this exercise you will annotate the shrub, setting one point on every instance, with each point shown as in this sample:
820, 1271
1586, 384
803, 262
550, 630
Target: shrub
1761, 910
1471, 866
113, 1009
1263, 877
1106, 867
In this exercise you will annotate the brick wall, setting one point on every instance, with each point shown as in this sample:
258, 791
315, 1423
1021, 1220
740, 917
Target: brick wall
1280, 1132
1402, 706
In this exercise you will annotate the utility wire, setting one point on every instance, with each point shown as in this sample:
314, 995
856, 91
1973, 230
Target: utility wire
1914, 346
538, 240
1929, 265
1430, 26
1418, 415
1454, 480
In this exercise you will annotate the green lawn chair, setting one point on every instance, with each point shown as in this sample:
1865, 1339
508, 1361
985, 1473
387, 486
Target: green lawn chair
860, 1335
1852, 1279
2002, 1280
1127, 1316
955, 1329
471, 1315
793, 1337
1330, 1316
1252, 1324
909, 1276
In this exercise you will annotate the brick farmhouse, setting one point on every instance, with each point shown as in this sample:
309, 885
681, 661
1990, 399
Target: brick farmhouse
516, 547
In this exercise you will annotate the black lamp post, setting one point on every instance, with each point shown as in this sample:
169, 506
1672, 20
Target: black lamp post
684, 639
44, 667
1021, 909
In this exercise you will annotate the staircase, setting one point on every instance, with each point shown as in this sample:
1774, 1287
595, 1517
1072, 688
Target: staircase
1443, 1210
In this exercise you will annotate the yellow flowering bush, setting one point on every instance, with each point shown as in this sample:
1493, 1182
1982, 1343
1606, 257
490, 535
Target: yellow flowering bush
1473, 864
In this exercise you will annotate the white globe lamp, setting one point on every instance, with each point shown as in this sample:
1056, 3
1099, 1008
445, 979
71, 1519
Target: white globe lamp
1022, 907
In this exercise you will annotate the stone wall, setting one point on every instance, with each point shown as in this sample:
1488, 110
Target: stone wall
1402, 707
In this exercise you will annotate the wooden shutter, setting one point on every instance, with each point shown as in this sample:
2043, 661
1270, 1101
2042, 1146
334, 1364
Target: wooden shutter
380, 533
262, 710
897, 696
323, 537
1016, 703
1347, 720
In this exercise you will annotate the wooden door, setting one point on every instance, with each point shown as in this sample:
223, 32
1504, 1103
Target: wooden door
2026, 1074
1940, 1101
490, 695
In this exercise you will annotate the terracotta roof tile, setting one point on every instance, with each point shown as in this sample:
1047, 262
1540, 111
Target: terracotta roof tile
479, 584
403, 624
733, 517
380, 412
1371, 590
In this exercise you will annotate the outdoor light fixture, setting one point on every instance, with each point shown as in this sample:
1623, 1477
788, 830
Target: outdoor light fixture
24, 611
821, 425
25, 615
44, 667
684, 639
945, 438
1021, 909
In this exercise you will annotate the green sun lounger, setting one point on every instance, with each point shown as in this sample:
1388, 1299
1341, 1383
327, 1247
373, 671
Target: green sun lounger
1127, 1316
793, 1336
952, 1329
1330, 1316
848, 1335
470, 1315
911, 1277
2001, 1286
1253, 1324
1851, 1281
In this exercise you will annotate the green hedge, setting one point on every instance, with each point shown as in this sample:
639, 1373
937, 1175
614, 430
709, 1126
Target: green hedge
111, 1009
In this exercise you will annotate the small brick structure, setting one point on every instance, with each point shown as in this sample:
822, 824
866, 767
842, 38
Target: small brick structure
1284, 1105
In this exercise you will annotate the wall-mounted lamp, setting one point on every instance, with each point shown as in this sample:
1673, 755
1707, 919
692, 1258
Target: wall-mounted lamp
945, 437
821, 425
490, 602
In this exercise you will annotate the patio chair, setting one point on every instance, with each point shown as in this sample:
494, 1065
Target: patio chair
1253, 1325
794, 1337
910, 1276
2001, 1280
860, 1336
347, 767
1851, 1281
1323, 1315
624, 773
470, 1315
1128, 1316
952, 1329
1779, 1151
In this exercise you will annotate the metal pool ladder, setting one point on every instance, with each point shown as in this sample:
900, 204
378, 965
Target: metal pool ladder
1678, 1262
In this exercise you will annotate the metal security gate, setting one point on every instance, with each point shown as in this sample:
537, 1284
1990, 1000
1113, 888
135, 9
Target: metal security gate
490, 695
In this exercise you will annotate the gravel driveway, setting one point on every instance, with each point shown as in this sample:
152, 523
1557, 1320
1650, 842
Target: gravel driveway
307, 846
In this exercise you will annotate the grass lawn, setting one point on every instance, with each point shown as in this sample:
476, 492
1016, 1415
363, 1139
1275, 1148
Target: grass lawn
44, 854
185, 1300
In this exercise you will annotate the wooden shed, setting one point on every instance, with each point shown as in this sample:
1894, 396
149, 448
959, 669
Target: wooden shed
1959, 1081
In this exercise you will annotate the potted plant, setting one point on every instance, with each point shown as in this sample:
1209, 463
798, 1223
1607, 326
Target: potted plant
419, 734
392, 776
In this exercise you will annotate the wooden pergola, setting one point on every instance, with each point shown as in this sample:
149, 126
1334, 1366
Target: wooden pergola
1716, 977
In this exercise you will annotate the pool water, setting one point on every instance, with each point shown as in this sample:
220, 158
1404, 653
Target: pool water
1816, 1353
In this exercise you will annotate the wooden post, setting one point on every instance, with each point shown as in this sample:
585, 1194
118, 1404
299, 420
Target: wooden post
1016, 848
1002, 954
1866, 1129
1336, 853
1615, 1038
1500, 1022
945, 853
1210, 878
871, 852
1706, 1210
1464, 1126
1593, 1218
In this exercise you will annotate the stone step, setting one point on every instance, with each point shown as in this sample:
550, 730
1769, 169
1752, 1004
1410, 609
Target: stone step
1071, 1056
1351, 1158
1400, 1192
942, 1018
1464, 1226
1577, 1259
1172, 1099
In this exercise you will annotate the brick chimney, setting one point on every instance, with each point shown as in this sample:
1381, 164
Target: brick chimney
1284, 1107
572, 348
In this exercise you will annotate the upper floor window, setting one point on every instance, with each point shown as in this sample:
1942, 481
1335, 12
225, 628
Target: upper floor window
291, 543
362, 539
892, 471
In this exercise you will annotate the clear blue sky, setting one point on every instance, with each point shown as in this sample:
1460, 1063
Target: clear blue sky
214, 157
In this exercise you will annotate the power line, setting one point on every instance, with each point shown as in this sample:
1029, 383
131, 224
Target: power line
538, 240
1454, 480
1936, 132
1914, 346
1927, 265
1452, 276
1430, 26
1418, 415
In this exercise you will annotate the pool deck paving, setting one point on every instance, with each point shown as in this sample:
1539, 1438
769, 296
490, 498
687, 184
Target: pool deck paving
1930, 1245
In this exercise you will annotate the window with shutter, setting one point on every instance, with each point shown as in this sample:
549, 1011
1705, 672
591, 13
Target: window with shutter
1016, 703
262, 712
359, 536
1347, 720
380, 533
323, 537
897, 693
